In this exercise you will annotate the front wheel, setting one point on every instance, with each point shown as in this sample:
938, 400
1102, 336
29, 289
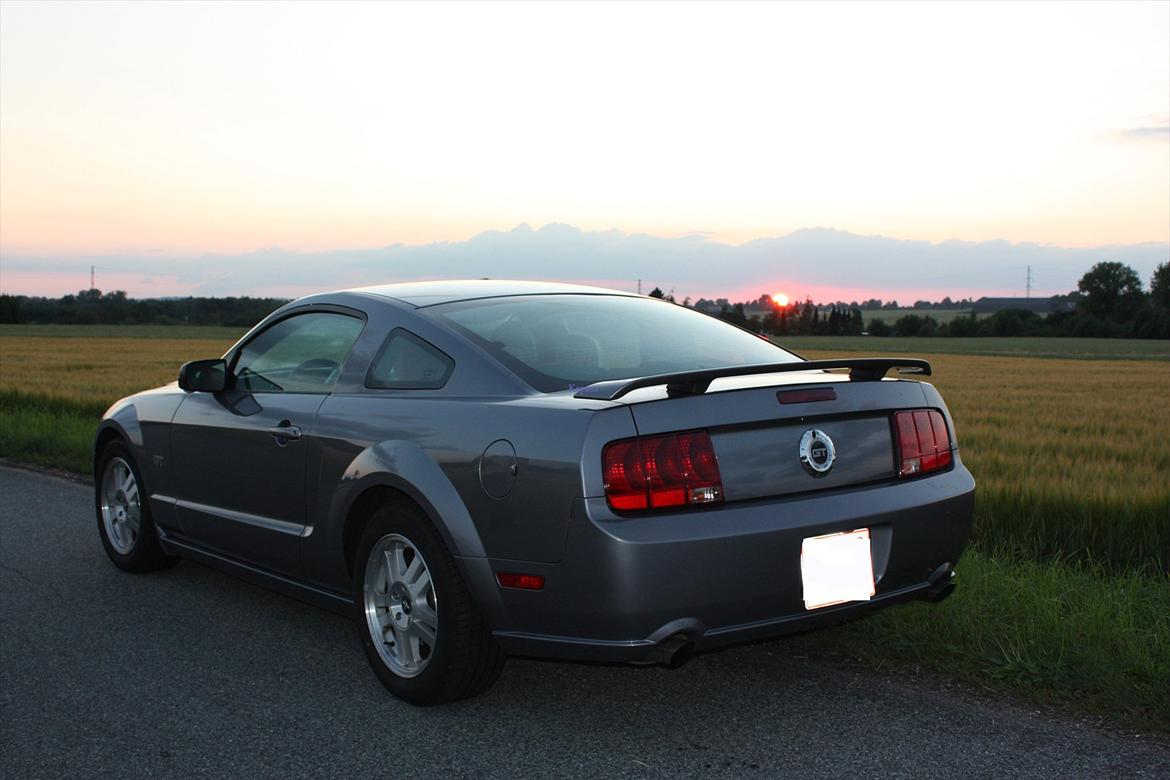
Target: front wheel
123, 513
423, 636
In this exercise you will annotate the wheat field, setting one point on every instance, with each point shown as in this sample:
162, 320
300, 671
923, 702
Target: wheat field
1071, 456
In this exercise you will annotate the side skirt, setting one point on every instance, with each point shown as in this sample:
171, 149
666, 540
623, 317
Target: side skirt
324, 599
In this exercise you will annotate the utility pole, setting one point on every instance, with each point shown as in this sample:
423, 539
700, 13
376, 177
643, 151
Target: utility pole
639, 287
91, 283
1028, 287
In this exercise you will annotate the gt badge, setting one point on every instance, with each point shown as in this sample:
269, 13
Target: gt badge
817, 452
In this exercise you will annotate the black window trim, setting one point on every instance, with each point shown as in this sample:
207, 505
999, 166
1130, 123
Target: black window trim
394, 333
233, 355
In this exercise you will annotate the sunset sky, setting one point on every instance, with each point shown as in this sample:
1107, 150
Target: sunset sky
148, 136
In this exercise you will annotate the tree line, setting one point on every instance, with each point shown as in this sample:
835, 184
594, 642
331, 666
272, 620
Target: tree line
1110, 301
93, 307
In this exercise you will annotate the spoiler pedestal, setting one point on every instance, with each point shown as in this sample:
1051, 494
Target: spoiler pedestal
697, 382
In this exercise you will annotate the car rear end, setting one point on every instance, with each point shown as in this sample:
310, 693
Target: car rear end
702, 559
731, 505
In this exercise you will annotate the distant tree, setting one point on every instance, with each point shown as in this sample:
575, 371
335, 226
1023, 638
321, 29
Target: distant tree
878, 328
1113, 291
1012, 322
10, 309
1160, 286
966, 325
915, 325
657, 293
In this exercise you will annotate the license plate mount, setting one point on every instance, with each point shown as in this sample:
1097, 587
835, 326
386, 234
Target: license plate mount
836, 568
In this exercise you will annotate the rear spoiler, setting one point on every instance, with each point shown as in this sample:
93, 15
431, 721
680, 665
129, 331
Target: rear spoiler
697, 382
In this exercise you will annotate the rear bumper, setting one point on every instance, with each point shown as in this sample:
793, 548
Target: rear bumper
699, 637
722, 575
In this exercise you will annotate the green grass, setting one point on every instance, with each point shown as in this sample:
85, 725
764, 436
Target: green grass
1088, 640
45, 432
1024, 346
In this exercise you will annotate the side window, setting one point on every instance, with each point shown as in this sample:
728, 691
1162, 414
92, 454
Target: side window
302, 354
406, 362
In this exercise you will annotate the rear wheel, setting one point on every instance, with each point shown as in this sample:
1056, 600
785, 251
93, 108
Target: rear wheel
422, 634
123, 513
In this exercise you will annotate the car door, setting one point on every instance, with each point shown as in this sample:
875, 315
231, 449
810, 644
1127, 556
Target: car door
240, 457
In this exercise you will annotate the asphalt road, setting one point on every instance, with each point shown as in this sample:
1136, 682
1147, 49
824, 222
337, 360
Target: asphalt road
193, 673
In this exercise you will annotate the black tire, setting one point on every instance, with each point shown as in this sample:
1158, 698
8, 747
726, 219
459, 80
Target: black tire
466, 660
144, 553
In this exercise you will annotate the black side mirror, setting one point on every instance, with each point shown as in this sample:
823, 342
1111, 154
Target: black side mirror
208, 376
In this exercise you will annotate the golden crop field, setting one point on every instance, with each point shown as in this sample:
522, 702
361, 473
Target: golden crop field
1068, 454
1071, 456
93, 370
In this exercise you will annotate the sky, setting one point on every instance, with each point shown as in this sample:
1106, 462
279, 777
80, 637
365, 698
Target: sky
280, 149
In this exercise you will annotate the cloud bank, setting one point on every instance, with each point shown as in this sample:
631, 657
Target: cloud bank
821, 262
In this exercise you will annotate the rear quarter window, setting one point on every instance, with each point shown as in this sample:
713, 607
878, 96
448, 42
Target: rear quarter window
407, 362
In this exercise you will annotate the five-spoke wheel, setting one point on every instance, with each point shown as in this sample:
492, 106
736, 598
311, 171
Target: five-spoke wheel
402, 612
121, 506
403, 573
123, 514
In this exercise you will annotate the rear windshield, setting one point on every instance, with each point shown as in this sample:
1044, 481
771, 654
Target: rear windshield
558, 342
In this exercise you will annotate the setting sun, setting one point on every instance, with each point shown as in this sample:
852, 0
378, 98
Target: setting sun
780, 299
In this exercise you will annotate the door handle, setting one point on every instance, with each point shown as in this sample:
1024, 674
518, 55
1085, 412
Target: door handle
285, 432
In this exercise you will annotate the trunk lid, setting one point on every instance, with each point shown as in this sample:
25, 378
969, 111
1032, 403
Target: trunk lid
757, 439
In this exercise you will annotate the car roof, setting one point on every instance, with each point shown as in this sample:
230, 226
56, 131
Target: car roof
421, 294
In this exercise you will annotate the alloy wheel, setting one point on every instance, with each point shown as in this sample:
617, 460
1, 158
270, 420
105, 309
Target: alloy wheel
402, 612
121, 505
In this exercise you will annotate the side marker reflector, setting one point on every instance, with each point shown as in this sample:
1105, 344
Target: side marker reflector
509, 579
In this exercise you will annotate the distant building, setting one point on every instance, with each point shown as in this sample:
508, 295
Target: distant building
1038, 305
757, 311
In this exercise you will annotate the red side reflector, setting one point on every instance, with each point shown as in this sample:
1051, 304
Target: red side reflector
509, 579
922, 441
806, 396
655, 472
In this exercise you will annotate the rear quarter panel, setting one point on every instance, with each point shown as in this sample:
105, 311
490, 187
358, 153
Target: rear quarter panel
432, 449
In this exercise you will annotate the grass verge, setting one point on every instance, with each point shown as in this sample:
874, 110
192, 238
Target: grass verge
1093, 641
48, 432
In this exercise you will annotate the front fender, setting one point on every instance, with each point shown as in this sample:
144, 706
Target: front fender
142, 421
121, 419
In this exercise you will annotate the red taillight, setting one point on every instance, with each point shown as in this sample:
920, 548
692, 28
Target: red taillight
510, 579
661, 471
923, 442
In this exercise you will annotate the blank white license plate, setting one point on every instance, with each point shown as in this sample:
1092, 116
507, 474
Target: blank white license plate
836, 568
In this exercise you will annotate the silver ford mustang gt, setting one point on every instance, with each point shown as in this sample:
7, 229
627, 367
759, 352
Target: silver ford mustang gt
482, 468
